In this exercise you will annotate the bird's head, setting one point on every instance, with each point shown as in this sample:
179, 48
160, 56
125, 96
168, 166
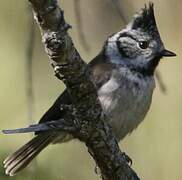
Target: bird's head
139, 45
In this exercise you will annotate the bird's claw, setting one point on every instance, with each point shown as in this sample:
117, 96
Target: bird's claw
127, 159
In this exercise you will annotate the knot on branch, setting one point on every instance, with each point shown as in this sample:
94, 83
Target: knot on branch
55, 44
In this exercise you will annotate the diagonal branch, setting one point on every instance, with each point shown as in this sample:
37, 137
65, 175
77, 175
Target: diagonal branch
87, 112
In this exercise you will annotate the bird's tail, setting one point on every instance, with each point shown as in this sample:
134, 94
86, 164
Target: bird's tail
24, 155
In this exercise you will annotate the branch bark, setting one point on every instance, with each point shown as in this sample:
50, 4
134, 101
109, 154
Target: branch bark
86, 110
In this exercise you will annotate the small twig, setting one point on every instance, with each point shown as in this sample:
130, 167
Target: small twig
29, 74
162, 85
29, 66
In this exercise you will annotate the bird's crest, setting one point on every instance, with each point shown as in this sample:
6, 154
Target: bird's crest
145, 20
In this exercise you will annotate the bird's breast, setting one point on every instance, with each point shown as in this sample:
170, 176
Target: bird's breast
125, 100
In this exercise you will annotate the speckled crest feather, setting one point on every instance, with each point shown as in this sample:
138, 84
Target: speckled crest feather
145, 20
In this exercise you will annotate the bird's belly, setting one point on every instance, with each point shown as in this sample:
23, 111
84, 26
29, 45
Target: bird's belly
126, 107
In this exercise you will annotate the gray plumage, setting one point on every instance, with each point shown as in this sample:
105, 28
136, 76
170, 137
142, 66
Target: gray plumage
126, 99
123, 75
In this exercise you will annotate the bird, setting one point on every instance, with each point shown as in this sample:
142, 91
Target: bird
123, 75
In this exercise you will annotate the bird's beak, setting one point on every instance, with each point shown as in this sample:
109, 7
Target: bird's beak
167, 53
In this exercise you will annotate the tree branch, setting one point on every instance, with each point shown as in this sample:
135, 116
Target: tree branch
86, 113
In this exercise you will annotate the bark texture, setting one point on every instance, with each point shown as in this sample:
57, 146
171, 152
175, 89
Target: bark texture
86, 113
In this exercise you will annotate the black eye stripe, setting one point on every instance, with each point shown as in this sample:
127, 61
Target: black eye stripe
121, 51
118, 43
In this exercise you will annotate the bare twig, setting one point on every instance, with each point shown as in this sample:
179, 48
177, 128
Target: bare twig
86, 112
162, 85
29, 75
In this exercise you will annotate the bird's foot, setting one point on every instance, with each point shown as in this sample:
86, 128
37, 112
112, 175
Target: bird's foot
127, 159
97, 170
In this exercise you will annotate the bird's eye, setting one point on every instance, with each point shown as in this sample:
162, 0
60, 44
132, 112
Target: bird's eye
143, 44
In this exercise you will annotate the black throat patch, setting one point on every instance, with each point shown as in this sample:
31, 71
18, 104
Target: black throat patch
147, 70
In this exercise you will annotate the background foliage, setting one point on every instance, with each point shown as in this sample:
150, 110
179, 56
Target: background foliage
155, 146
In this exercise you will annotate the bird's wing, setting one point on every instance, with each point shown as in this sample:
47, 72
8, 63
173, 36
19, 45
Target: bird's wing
101, 72
55, 112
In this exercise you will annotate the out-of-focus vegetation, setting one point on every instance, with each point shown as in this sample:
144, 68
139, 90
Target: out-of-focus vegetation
155, 147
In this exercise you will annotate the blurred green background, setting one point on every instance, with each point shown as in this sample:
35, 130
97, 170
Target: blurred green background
155, 147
